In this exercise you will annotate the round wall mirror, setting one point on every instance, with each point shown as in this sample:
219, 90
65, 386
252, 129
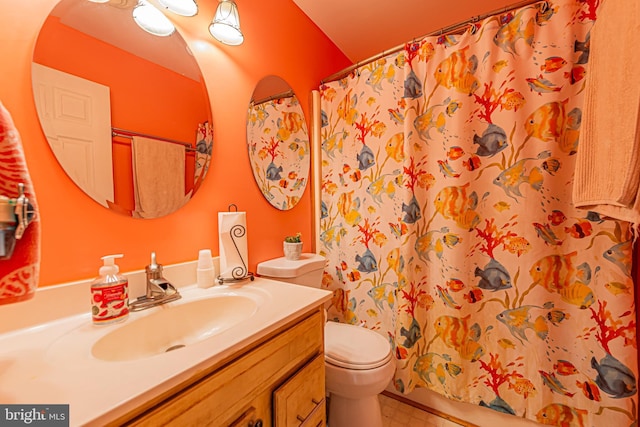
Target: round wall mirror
126, 113
278, 143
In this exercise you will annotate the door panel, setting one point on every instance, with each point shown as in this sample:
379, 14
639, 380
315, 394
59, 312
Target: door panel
75, 114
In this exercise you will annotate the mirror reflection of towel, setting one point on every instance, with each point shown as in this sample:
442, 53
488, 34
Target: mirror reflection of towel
18, 274
158, 177
606, 176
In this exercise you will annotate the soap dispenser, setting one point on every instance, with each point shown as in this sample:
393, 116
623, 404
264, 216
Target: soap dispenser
109, 293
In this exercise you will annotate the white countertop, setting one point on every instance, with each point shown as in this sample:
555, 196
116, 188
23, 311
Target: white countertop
52, 363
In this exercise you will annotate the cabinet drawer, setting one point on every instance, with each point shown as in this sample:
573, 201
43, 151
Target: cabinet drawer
224, 397
301, 400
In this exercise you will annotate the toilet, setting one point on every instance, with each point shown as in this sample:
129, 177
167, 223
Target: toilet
358, 361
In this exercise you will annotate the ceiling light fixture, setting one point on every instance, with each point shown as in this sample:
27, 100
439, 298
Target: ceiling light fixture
152, 20
225, 26
180, 7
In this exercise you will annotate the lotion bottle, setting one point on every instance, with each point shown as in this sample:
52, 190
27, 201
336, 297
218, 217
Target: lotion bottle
109, 294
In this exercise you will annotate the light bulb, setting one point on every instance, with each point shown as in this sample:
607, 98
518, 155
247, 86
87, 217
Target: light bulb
152, 20
226, 24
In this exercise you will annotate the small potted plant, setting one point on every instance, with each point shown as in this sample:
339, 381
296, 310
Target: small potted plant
293, 247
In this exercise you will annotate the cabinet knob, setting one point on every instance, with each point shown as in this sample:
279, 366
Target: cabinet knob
256, 423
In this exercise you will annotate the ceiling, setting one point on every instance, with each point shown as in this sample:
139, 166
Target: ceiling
364, 28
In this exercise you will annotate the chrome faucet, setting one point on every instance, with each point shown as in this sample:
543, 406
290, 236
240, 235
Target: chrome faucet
159, 290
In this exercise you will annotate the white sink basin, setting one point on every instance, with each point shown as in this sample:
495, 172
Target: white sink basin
61, 360
172, 327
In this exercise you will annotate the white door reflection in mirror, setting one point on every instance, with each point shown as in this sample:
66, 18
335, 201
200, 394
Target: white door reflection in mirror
75, 114
278, 143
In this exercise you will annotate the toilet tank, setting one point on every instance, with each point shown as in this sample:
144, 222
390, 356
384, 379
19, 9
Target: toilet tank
305, 271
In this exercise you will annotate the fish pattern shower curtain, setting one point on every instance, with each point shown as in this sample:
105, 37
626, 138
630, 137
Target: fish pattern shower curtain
447, 221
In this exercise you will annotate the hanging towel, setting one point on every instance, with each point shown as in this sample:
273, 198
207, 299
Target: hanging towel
158, 177
607, 175
18, 274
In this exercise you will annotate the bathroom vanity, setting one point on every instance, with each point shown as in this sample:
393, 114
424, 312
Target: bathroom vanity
248, 354
277, 381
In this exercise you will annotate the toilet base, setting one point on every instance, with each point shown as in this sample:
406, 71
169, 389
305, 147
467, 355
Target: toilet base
364, 412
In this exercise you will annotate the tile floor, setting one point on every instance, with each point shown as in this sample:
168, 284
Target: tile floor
398, 414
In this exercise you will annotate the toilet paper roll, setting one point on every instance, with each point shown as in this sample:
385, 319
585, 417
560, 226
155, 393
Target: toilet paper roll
232, 232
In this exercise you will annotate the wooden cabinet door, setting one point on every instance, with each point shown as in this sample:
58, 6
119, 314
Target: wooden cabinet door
242, 391
300, 401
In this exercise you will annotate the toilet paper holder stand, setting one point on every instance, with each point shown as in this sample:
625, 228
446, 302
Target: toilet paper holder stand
239, 273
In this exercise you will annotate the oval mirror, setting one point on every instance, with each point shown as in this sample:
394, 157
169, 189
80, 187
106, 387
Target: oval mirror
126, 113
278, 142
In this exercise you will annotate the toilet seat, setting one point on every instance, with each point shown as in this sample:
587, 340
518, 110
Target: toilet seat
354, 347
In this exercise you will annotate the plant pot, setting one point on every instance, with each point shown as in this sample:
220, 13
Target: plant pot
292, 251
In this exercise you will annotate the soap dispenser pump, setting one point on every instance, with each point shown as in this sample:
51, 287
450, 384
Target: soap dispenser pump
109, 293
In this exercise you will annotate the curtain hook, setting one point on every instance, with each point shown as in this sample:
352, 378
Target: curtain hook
472, 22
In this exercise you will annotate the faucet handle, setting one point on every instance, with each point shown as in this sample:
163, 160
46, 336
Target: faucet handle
153, 270
159, 290
153, 261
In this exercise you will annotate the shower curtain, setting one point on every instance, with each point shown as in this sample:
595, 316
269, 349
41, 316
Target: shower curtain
447, 222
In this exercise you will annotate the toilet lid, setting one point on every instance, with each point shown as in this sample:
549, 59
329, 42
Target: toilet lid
354, 347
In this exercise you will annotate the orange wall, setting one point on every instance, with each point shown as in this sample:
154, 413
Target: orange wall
76, 232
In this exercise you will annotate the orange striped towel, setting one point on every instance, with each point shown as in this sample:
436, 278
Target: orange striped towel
18, 274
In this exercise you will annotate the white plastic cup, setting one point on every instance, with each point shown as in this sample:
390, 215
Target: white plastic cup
205, 277
205, 272
205, 260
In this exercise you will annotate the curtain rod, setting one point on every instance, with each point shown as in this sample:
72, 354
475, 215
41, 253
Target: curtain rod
130, 134
442, 31
287, 94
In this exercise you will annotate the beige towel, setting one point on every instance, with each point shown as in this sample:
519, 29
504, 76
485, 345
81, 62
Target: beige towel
158, 177
607, 175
